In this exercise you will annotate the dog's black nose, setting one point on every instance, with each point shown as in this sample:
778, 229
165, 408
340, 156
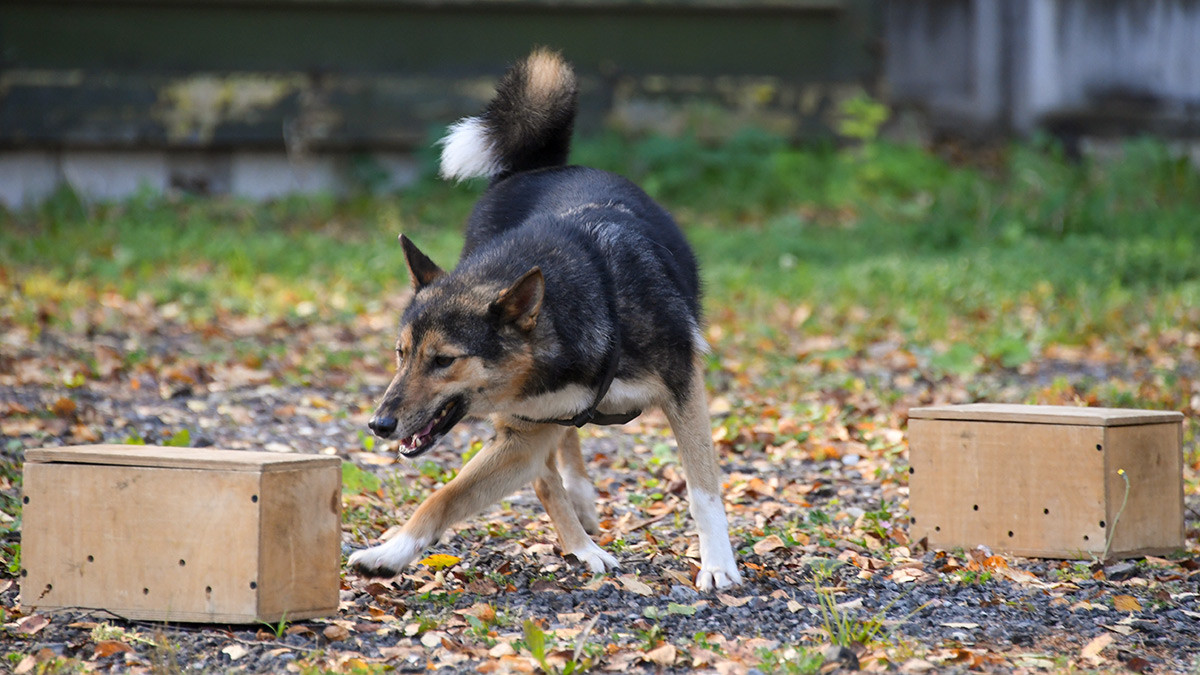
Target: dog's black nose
382, 426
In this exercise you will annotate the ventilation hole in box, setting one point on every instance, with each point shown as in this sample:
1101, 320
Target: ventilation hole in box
24, 572
145, 591
1099, 447
913, 519
253, 585
24, 500
49, 587
1010, 533
254, 498
975, 508
1085, 537
911, 470
1046, 511
208, 590
937, 528
91, 558
1102, 523
182, 562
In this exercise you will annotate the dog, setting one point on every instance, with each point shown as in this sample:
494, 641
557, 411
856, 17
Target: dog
576, 300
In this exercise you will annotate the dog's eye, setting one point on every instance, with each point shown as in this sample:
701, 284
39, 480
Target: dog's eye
443, 360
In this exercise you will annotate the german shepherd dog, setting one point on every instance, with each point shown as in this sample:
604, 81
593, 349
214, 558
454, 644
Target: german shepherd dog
576, 300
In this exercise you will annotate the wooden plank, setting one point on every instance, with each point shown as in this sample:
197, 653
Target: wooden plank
1152, 522
177, 458
1045, 414
150, 543
300, 543
1026, 489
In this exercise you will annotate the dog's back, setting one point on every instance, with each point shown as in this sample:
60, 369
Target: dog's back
614, 260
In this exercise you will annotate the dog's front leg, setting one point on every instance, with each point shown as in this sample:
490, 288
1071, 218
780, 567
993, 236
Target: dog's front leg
512, 460
693, 435
571, 533
575, 480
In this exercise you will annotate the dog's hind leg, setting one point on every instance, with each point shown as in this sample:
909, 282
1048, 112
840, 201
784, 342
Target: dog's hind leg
575, 480
516, 456
571, 534
693, 434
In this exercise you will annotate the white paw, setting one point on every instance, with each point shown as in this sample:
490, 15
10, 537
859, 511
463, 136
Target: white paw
708, 579
387, 559
597, 559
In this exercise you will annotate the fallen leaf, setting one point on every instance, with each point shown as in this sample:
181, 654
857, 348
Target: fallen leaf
635, 585
730, 601
26, 665
234, 652
106, 648
480, 610
32, 624
1091, 650
336, 633
63, 407
768, 544
432, 639
1126, 603
663, 655
440, 561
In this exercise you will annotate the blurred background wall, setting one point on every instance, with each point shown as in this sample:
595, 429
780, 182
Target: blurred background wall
261, 98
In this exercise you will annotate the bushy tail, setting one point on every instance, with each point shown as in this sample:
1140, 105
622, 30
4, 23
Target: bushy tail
526, 126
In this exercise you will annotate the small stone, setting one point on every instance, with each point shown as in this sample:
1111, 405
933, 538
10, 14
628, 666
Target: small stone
683, 594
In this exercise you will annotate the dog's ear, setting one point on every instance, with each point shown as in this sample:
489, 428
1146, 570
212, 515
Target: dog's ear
520, 303
421, 269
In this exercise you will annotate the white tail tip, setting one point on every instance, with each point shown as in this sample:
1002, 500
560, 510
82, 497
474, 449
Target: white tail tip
467, 152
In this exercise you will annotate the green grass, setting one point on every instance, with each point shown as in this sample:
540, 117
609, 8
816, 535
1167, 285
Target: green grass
879, 241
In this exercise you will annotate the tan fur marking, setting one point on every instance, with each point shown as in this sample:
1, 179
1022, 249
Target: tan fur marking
515, 372
548, 75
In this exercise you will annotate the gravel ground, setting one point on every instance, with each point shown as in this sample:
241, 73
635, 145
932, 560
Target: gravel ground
935, 610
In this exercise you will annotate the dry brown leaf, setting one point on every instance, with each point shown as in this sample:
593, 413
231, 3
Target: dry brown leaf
635, 585
663, 655
730, 601
336, 633
768, 544
480, 610
32, 624
1091, 650
106, 648
1126, 603
63, 407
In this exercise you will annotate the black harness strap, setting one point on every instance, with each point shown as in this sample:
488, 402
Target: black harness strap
590, 415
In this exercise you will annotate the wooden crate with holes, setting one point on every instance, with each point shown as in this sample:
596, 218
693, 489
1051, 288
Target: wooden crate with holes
181, 534
1046, 481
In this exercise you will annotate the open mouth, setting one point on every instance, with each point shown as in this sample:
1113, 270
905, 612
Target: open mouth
445, 419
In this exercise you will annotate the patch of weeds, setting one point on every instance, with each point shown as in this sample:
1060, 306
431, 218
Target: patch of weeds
164, 656
442, 600
279, 628
432, 470
355, 481
840, 626
701, 640
973, 577
792, 660
540, 646
651, 635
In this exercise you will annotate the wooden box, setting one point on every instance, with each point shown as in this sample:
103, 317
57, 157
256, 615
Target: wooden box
181, 534
1044, 481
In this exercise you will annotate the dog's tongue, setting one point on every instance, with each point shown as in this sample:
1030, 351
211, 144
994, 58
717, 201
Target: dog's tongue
420, 438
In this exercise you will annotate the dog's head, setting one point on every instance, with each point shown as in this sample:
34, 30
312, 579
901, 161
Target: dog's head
465, 346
